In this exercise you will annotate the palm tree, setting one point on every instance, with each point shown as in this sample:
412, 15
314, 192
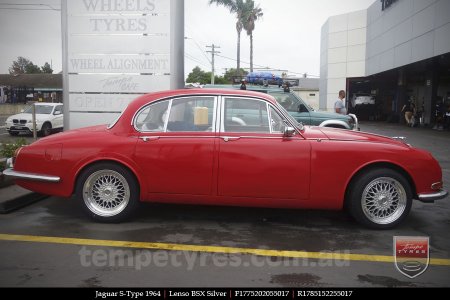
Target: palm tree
252, 14
237, 7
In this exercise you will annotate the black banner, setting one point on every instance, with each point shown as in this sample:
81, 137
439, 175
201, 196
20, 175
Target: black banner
215, 293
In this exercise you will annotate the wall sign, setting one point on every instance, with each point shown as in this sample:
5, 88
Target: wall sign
115, 51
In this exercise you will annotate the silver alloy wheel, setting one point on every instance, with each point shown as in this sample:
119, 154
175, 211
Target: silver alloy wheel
384, 200
106, 193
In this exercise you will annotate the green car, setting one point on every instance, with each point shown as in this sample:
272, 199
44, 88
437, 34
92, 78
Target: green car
302, 112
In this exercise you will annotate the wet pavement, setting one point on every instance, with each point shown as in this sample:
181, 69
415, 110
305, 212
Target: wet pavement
76, 264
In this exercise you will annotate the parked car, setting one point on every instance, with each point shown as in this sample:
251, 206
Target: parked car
305, 114
362, 99
227, 147
302, 112
49, 118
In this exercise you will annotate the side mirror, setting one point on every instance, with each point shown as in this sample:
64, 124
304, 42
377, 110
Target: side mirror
288, 131
57, 113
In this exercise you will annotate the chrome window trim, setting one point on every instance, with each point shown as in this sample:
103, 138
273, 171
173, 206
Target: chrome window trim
224, 99
269, 104
166, 121
169, 109
269, 117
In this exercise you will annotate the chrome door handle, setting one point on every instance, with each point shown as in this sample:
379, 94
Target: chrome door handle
230, 138
149, 138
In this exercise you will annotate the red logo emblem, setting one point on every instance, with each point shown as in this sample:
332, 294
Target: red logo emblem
411, 254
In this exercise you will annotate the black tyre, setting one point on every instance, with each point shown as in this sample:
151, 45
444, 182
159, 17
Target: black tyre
380, 198
46, 129
108, 192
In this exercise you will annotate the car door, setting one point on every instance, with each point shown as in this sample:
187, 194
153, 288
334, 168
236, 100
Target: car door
176, 145
58, 118
255, 158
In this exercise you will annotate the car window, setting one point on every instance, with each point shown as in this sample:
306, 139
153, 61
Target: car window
40, 109
276, 121
153, 117
288, 101
245, 115
58, 108
180, 114
191, 114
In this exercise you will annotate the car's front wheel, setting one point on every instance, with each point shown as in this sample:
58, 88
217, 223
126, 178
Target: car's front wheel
46, 129
380, 198
108, 192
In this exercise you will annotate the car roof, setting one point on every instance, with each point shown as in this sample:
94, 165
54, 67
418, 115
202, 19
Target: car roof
142, 100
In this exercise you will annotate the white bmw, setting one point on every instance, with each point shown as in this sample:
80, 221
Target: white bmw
49, 118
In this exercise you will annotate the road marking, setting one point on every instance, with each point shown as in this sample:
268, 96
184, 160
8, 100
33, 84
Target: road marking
211, 249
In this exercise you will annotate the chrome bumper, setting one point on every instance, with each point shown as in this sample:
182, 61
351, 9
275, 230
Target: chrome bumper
433, 196
355, 119
31, 176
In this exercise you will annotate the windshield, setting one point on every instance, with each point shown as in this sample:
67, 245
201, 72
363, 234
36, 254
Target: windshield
290, 101
40, 109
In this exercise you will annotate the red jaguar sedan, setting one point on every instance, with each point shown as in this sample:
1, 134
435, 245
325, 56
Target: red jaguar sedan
227, 147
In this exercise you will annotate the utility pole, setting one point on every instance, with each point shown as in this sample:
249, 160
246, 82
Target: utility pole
213, 52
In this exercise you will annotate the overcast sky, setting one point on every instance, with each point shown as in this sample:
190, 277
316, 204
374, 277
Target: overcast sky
286, 38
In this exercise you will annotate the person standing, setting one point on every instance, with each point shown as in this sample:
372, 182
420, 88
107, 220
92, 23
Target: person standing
339, 105
243, 86
409, 109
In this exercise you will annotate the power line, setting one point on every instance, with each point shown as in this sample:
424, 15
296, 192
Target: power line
267, 67
191, 57
213, 52
49, 7
198, 46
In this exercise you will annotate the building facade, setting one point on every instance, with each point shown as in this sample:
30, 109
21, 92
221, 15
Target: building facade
395, 51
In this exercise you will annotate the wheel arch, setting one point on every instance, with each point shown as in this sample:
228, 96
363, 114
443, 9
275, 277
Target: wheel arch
132, 170
46, 122
379, 165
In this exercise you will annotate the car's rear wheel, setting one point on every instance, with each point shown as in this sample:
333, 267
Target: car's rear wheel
108, 192
46, 129
380, 198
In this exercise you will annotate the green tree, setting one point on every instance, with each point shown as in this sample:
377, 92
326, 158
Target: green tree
23, 66
198, 75
32, 69
230, 73
220, 80
252, 14
46, 68
238, 8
